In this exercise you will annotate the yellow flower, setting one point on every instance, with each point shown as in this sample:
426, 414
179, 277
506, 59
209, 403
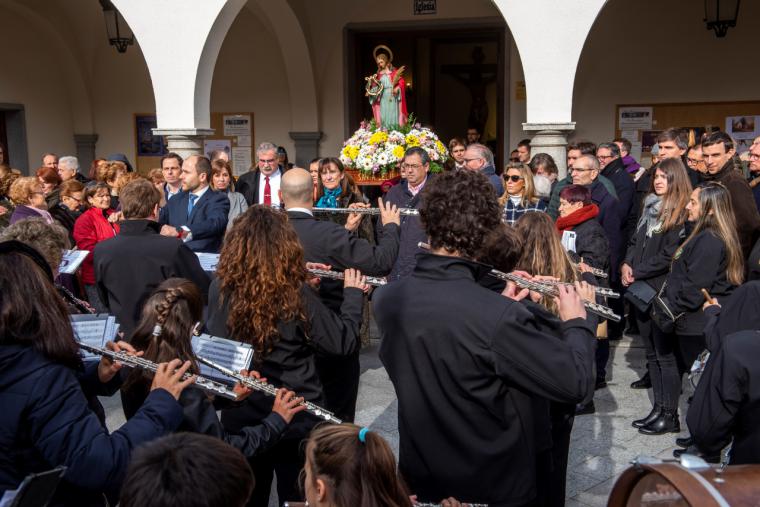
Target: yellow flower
412, 140
398, 152
378, 137
440, 147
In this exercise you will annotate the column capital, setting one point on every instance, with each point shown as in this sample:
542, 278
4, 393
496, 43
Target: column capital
307, 146
561, 127
184, 142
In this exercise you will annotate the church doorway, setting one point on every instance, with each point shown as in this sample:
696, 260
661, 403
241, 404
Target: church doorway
455, 77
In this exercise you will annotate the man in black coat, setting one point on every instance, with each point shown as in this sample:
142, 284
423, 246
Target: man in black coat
131, 265
327, 242
466, 361
197, 215
612, 168
262, 184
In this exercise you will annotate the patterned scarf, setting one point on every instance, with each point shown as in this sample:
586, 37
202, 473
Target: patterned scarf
330, 198
650, 214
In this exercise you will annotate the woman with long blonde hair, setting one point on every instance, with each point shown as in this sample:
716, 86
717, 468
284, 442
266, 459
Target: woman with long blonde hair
520, 194
709, 259
261, 297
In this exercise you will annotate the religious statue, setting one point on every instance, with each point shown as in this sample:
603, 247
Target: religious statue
386, 90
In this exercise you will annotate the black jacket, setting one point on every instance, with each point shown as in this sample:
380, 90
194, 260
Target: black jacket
66, 218
199, 416
330, 243
129, 266
625, 188
743, 203
591, 245
700, 264
248, 185
466, 364
45, 422
726, 403
412, 232
612, 222
207, 220
291, 361
650, 258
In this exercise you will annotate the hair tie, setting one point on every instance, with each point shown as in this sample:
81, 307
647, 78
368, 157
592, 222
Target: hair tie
363, 435
156, 330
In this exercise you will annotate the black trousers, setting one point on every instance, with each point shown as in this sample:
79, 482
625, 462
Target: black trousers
340, 384
666, 378
285, 459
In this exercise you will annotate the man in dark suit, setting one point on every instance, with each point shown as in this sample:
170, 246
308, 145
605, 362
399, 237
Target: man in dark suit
131, 265
197, 215
171, 168
327, 242
262, 185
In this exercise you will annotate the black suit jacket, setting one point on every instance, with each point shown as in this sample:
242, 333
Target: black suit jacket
330, 243
131, 265
466, 363
248, 185
207, 221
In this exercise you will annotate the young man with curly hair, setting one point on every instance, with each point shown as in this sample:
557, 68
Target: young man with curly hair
467, 362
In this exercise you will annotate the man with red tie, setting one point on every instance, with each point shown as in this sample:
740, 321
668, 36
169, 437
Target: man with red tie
262, 184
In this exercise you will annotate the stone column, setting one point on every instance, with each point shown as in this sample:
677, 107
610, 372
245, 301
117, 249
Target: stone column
184, 142
307, 147
85, 144
551, 138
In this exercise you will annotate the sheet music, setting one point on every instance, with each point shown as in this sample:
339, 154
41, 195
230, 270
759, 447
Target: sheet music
568, 240
94, 330
208, 260
231, 354
71, 261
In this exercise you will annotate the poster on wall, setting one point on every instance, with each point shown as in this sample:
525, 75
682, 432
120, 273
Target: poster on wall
237, 125
241, 160
212, 145
649, 139
148, 145
743, 127
635, 117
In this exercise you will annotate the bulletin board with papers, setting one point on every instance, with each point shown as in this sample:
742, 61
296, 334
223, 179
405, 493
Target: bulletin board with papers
233, 133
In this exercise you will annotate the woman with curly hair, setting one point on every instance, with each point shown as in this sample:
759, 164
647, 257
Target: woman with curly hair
261, 297
466, 362
27, 194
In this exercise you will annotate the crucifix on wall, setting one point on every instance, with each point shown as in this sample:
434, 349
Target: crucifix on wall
476, 77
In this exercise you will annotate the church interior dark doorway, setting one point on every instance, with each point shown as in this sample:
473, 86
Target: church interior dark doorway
455, 77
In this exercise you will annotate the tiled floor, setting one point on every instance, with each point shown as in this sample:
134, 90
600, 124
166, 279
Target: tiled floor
603, 444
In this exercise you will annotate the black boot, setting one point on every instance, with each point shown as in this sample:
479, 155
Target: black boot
685, 442
654, 414
667, 422
644, 382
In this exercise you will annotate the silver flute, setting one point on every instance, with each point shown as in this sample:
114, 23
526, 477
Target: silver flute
599, 273
601, 291
338, 275
546, 289
204, 383
364, 211
269, 389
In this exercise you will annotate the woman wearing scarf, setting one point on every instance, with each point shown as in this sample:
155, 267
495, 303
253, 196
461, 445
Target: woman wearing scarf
519, 193
582, 235
337, 190
658, 233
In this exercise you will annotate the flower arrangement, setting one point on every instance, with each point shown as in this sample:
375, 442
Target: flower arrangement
376, 152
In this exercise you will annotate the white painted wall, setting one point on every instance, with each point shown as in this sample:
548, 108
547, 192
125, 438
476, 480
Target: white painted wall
660, 51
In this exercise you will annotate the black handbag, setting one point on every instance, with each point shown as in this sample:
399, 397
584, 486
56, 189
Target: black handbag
662, 315
640, 294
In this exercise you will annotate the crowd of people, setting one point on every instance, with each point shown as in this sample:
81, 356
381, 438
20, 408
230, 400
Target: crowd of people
490, 328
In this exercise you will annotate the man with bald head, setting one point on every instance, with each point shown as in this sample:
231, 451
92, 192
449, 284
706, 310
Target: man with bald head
327, 242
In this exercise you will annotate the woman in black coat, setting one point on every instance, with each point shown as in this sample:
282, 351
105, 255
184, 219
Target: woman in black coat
582, 235
46, 421
709, 259
261, 296
647, 262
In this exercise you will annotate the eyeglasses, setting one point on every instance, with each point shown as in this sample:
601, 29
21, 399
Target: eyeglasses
604, 157
694, 161
411, 166
513, 178
754, 156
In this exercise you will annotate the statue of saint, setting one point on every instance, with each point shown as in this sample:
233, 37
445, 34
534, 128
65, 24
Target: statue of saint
386, 90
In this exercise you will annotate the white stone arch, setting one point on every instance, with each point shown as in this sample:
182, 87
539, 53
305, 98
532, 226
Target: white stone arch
73, 79
550, 36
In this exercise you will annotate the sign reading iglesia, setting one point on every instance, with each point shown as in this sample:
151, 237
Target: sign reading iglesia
424, 7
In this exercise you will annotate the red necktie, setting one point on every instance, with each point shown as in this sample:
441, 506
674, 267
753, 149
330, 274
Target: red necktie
267, 192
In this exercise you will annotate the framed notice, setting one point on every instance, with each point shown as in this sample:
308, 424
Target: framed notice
148, 145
